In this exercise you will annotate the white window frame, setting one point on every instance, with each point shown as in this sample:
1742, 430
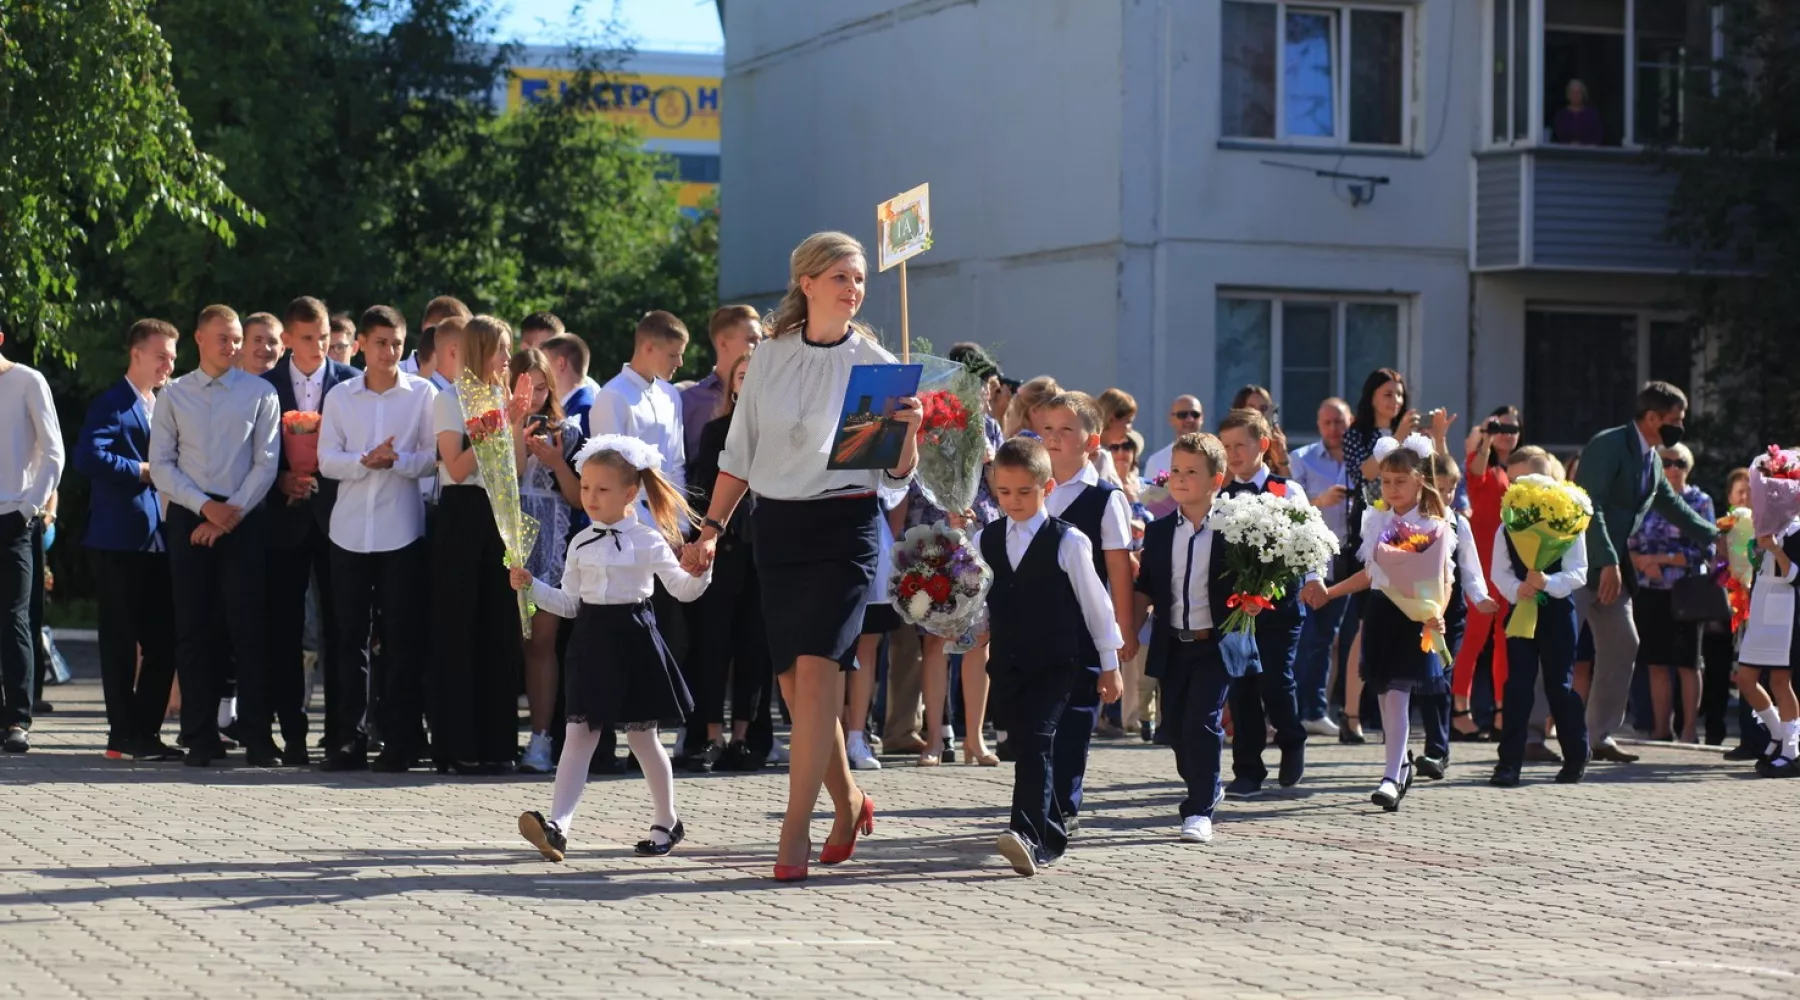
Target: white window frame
1644, 317
1348, 385
1536, 124
1340, 84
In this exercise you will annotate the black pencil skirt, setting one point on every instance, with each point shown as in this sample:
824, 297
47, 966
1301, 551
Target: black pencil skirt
816, 561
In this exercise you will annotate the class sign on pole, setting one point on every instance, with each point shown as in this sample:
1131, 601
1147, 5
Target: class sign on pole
661, 107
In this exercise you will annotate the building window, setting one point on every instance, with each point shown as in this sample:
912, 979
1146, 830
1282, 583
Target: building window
1331, 74
1612, 72
1304, 348
1583, 369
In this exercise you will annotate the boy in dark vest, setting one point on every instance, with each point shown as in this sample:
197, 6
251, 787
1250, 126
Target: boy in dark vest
1551, 649
1069, 426
1047, 613
1184, 577
1268, 694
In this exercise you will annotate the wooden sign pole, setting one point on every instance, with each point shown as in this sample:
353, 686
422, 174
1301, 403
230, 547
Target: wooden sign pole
905, 333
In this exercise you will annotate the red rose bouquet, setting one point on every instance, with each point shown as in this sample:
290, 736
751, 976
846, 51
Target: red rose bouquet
300, 441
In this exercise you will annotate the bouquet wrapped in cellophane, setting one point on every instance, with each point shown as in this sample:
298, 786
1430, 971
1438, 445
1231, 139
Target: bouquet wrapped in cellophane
952, 438
940, 583
1270, 541
1544, 519
1412, 568
1774, 490
1739, 567
490, 436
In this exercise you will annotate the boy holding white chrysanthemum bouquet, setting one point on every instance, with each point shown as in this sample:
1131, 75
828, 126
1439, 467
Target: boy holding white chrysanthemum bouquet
1540, 560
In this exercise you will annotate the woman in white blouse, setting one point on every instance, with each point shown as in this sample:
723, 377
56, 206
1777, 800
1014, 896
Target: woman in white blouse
815, 528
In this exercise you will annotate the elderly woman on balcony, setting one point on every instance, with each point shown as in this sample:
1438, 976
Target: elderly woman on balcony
1577, 124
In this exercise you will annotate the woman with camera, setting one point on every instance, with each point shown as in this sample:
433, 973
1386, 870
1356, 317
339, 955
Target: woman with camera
1489, 445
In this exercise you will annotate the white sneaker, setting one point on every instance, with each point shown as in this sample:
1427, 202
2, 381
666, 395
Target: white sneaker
1197, 829
778, 754
537, 755
1017, 852
861, 757
1320, 727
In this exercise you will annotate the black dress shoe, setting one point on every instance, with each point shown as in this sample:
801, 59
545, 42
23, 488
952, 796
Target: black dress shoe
1507, 777
1005, 750
1742, 752
345, 760
203, 756
18, 740
295, 754
649, 848
391, 763
1572, 772
1243, 788
737, 757
42, 708
1146, 732
1293, 767
707, 759
1433, 768
262, 754
152, 750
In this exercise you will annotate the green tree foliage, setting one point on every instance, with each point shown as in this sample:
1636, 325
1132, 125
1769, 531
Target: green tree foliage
94, 141
1737, 204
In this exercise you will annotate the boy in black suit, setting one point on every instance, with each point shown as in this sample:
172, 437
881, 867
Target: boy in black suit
1046, 602
1183, 575
1269, 693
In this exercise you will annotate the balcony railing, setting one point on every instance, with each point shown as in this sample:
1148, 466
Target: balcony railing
1567, 209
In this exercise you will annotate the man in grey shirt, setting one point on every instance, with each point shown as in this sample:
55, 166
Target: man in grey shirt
213, 445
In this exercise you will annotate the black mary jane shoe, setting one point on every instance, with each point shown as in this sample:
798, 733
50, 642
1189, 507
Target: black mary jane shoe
549, 841
649, 848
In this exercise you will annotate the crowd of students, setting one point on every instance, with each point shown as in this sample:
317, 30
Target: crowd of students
699, 566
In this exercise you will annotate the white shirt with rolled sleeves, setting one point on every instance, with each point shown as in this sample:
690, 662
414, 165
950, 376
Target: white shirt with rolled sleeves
1075, 556
617, 563
378, 510
215, 436
1572, 576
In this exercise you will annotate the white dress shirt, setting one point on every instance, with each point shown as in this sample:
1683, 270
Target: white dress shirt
31, 444
1571, 578
1190, 569
650, 411
378, 510
1115, 523
447, 417
1075, 556
309, 390
215, 437
617, 563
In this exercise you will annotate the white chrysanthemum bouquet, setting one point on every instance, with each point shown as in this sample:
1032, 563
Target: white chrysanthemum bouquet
1270, 541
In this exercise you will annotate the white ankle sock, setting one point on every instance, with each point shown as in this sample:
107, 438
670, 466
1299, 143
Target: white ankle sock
1396, 721
1790, 739
227, 711
659, 775
579, 744
1771, 720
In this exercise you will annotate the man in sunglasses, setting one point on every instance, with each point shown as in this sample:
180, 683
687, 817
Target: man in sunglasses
1185, 417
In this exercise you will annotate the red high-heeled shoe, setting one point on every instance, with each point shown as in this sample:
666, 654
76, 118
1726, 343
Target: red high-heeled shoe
790, 873
832, 854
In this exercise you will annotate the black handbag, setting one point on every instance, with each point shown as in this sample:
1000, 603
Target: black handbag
1699, 599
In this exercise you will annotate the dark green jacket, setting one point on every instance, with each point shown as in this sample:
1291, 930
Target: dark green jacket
1612, 471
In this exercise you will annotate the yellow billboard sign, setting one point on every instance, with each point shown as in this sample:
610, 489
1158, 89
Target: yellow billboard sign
660, 107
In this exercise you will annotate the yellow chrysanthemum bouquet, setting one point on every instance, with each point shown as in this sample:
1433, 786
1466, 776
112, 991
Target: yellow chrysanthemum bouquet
1544, 519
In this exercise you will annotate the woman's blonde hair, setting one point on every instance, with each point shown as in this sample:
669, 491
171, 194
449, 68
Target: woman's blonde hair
813, 257
668, 506
1029, 396
481, 344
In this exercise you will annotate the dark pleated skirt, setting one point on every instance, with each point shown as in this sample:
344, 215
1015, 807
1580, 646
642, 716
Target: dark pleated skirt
618, 670
1391, 657
816, 560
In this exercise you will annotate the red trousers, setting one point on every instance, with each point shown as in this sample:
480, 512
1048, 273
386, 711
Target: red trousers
1475, 638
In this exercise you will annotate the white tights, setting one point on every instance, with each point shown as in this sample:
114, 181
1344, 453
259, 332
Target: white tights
579, 744
1396, 717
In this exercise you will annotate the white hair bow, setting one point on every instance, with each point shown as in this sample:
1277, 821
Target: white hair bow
1418, 444
640, 454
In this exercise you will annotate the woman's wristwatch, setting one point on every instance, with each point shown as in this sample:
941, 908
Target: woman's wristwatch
717, 527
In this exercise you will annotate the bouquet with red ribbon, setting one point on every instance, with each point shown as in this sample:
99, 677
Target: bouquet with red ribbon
1270, 542
1774, 490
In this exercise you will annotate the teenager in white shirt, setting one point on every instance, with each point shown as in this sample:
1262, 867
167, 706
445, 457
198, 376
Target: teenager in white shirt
639, 402
377, 439
31, 463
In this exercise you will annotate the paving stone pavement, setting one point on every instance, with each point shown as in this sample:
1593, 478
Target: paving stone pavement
124, 881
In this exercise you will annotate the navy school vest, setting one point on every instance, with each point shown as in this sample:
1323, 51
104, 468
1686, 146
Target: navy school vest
1033, 616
